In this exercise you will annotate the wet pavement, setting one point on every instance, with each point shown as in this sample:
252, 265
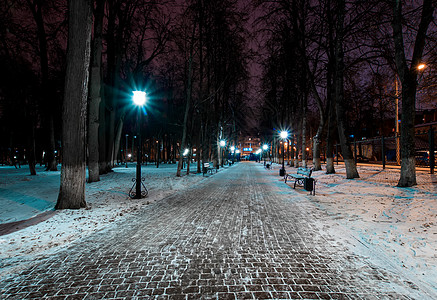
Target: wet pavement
239, 234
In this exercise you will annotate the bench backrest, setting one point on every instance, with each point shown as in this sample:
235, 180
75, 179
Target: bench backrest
304, 171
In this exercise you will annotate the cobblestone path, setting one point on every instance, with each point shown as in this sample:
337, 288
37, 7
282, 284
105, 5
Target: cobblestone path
238, 234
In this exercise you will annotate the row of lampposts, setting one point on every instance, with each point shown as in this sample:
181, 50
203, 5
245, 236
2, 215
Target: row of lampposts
139, 99
283, 135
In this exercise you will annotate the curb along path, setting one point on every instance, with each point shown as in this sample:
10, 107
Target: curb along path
237, 235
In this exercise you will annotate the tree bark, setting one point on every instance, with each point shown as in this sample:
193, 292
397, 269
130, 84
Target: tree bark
408, 78
330, 91
330, 169
95, 95
351, 168
304, 130
187, 106
73, 175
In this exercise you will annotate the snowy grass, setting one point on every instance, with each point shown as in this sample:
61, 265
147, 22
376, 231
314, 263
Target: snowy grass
24, 196
401, 222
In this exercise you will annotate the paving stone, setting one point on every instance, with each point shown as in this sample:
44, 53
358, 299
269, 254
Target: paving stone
239, 234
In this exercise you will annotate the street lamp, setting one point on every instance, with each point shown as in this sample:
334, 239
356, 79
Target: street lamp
284, 135
258, 154
133, 145
139, 99
233, 153
222, 146
186, 151
265, 147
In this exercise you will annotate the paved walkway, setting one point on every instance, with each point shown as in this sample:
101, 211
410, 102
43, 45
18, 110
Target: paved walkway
236, 235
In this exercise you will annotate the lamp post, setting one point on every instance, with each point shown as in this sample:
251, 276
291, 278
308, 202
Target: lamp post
258, 153
139, 99
265, 147
186, 151
222, 146
233, 153
283, 134
133, 144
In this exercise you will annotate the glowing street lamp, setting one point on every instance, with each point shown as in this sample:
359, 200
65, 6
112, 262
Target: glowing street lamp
284, 135
139, 99
265, 147
233, 154
222, 145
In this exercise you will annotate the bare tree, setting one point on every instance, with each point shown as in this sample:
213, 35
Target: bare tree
72, 190
36, 7
187, 104
408, 78
351, 168
95, 94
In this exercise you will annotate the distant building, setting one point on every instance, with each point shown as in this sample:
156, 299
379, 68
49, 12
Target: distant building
248, 145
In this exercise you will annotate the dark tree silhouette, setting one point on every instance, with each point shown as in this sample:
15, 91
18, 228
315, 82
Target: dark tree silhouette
72, 190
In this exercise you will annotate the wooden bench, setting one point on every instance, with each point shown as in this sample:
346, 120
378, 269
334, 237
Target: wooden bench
303, 178
207, 167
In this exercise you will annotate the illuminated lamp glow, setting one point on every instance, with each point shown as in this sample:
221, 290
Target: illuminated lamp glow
139, 98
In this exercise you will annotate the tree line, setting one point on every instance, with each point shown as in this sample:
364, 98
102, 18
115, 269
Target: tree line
331, 66
70, 69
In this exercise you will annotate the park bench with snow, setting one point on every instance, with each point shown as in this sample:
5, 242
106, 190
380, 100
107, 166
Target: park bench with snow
303, 178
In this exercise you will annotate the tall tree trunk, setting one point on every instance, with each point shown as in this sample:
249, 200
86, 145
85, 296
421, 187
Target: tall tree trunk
36, 9
102, 133
31, 142
52, 164
187, 105
351, 168
73, 175
330, 91
296, 153
304, 130
330, 135
112, 73
117, 139
95, 95
408, 77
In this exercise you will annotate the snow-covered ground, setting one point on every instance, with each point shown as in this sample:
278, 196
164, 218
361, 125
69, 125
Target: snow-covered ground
23, 196
398, 222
